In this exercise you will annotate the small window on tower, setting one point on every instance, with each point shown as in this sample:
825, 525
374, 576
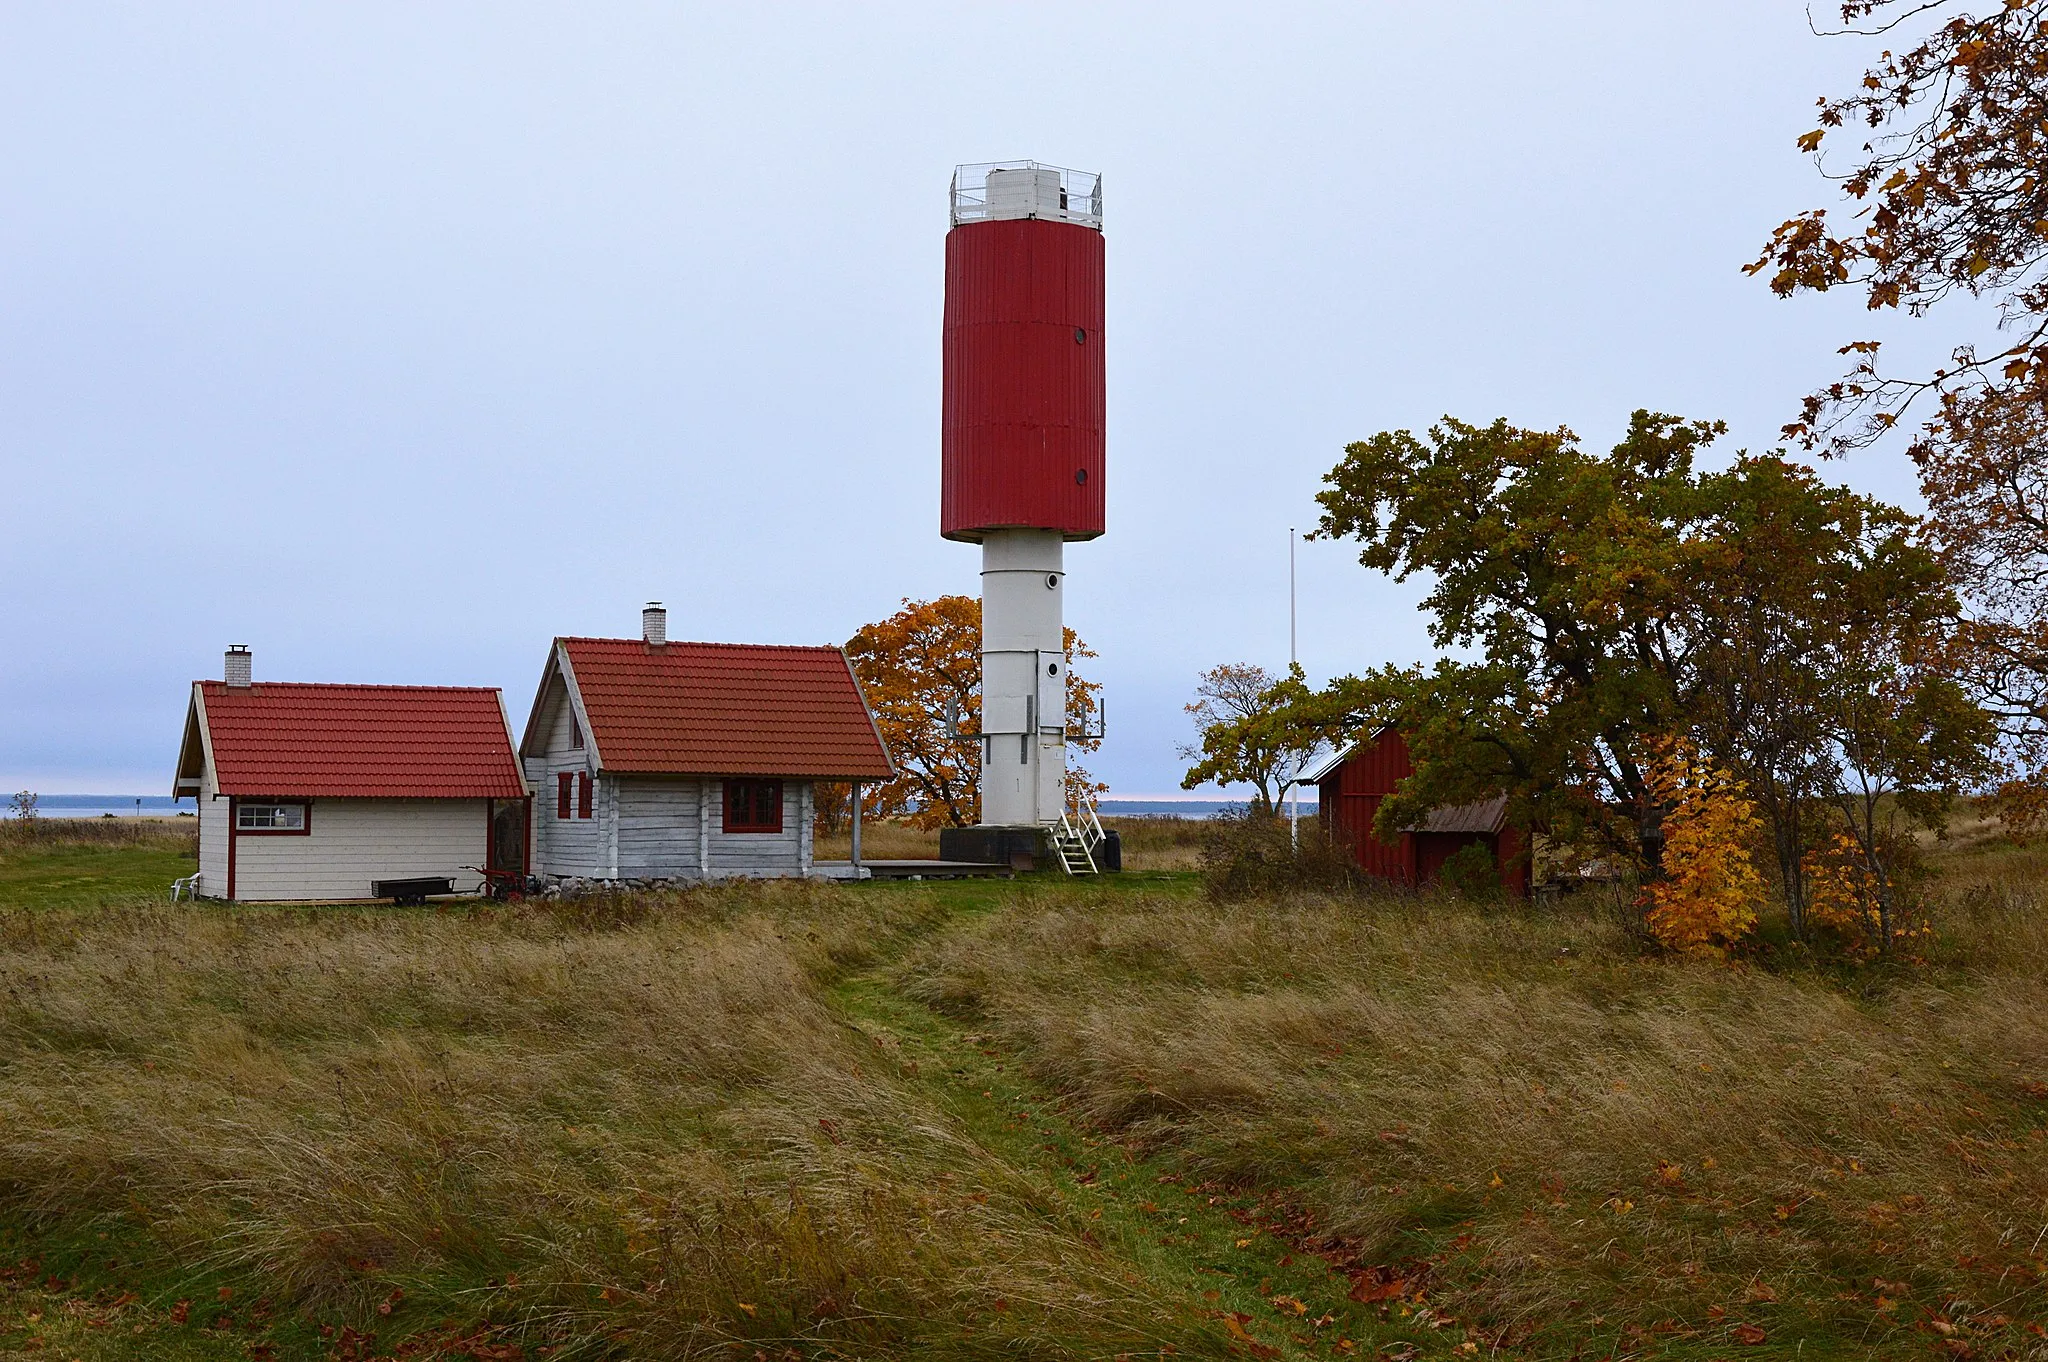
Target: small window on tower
753, 806
575, 732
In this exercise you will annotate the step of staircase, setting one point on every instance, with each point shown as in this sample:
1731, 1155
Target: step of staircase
1074, 857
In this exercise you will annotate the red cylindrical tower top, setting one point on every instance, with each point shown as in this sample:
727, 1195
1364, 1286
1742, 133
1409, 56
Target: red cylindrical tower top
1024, 375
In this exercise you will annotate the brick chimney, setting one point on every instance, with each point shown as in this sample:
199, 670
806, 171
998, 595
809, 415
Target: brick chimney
240, 665
654, 625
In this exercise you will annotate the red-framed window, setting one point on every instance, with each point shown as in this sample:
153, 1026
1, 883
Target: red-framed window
565, 783
753, 806
583, 794
273, 818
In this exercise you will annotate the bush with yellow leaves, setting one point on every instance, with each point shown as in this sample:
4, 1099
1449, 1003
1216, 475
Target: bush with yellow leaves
1866, 902
1708, 898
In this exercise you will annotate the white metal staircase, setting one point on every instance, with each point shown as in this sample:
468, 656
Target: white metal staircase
1075, 838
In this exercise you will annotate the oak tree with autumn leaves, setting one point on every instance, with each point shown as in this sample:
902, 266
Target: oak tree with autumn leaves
1558, 577
1669, 660
921, 669
1603, 612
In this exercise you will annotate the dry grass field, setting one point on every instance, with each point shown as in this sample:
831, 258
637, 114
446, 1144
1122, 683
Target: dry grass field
1545, 1141
1029, 1119
881, 840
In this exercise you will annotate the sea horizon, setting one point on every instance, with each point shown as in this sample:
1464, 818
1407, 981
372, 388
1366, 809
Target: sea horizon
163, 806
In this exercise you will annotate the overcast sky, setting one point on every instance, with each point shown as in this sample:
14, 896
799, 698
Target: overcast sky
394, 340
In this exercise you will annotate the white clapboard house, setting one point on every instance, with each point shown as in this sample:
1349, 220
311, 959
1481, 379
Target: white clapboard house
320, 792
655, 761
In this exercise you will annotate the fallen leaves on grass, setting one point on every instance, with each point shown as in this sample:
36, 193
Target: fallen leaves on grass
1381, 1283
1233, 1324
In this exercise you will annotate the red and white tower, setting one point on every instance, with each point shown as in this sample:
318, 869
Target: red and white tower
1023, 450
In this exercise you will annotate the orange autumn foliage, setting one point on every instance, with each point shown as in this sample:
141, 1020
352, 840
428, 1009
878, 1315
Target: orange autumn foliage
922, 666
918, 666
1848, 898
1839, 893
1708, 898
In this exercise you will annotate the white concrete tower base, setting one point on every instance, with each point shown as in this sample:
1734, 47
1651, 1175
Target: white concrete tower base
1023, 678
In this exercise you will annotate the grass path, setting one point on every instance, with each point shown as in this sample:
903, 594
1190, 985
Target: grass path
1245, 1289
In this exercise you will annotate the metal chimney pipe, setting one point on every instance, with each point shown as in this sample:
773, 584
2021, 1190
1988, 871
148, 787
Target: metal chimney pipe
654, 624
240, 671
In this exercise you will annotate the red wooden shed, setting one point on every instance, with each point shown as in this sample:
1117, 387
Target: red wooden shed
1352, 783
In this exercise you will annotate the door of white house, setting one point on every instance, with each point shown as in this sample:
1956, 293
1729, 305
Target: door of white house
509, 819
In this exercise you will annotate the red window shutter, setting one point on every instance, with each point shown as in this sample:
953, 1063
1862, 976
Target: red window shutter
583, 794
563, 781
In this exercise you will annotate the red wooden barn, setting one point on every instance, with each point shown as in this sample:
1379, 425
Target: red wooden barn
1350, 787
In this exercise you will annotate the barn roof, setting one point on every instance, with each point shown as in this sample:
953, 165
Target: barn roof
1328, 766
1487, 815
733, 709
309, 740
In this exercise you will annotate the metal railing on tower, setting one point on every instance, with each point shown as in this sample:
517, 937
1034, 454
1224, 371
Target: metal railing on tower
996, 190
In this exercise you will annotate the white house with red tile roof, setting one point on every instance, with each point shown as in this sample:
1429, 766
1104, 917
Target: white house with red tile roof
653, 760
317, 792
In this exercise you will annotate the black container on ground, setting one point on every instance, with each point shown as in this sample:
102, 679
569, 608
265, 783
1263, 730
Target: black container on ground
1020, 847
1110, 855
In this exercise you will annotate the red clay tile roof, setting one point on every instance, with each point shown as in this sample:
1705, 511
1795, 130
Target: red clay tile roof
730, 709
290, 738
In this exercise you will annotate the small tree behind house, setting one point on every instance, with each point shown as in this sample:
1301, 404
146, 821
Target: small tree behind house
1256, 729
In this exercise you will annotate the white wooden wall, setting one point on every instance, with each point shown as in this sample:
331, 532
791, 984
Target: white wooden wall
213, 839
355, 841
572, 845
658, 826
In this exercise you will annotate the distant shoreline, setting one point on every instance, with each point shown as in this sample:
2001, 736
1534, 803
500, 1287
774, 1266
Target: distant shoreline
162, 806
1178, 808
101, 805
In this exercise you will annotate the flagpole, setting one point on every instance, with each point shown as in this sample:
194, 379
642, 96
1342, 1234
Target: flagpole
1294, 802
